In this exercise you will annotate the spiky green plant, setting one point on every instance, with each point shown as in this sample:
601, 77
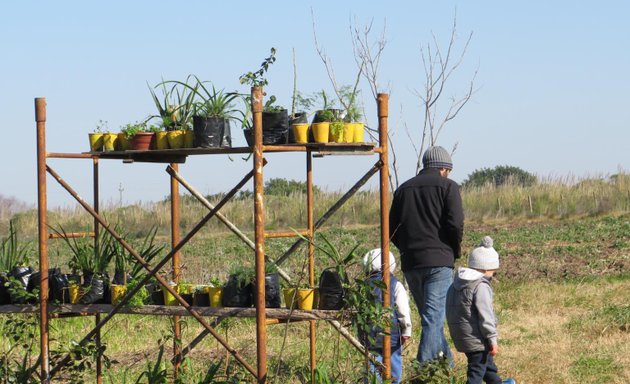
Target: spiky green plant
12, 252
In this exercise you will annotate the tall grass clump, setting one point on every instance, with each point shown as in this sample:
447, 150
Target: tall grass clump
557, 198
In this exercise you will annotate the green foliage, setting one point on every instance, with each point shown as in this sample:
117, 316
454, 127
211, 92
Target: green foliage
271, 106
130, 130
101, 127
284, 187
148, 250
177, 105
20, 333
257, 79
500, 175
336, 128
155, 372
436, 371
350, 95
208, 102
12, 252
242, 275
85, 255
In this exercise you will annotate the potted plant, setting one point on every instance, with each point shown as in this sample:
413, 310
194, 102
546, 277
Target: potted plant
14, 270
298, 121
215, 292
212, 114
354, 127
275, 118
237, 292
272, 286
200, 296
96, 137
139, 136
161, 137
175, 110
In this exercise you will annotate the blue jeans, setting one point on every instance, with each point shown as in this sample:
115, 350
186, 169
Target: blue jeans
396, 365
481, 367
428, 287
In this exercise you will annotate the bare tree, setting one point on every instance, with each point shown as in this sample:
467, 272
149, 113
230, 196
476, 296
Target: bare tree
439, 66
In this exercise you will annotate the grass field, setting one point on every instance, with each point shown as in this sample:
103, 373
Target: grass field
561, 296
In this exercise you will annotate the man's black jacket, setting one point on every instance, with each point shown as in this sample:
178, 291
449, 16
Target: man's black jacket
427, 221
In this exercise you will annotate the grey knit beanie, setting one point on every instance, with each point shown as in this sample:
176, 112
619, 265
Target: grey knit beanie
437, 157
484, 256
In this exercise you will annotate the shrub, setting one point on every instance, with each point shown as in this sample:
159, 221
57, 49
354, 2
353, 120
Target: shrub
500, 175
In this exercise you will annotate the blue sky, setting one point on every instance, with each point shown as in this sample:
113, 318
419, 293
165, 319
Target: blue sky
552, 82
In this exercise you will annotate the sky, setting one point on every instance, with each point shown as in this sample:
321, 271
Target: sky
551, 89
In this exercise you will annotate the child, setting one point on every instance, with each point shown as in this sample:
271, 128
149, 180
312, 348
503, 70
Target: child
401, 318
470, 315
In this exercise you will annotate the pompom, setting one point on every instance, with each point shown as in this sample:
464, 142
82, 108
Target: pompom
486, 242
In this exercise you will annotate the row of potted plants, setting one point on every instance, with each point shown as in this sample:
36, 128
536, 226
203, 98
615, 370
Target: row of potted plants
201, 113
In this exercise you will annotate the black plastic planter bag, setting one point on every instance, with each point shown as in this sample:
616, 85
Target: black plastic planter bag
211, 132
331, 292
4, 292
119, 277
272, 291
95, 286
275, 127
157, 296
201, 299
34, 283
236, 295
22, 275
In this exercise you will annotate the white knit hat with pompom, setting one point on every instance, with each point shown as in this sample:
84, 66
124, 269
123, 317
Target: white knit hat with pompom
372, 260
484, 256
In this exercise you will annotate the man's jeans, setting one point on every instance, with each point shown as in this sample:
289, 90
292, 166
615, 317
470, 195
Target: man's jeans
429, 287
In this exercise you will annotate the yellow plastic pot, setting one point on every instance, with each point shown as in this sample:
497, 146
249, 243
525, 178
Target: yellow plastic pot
215, 294
358, 132
300, 132
109, 141
74, 291
336, 133
96, 141
169, 299
117, 291
189, 138
161, 140
123, 142
305, 297
348, 132
176, 139
290, 298
320, 132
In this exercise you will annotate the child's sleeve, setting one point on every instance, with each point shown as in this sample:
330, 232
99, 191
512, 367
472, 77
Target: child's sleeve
487, 320
403, 312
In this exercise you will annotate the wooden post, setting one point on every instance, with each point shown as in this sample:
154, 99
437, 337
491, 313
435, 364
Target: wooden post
259, 238
40, 119
382, 101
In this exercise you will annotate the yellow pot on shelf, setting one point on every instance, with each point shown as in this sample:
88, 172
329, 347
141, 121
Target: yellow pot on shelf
176, 139
161, 140
320, 132
117, 291
336, 132
215, 294
290, 297
109, 142
358, 132
169, 299
74, 291
96, 141
305, 297
189, 138
300, 132
123, 143
348, 132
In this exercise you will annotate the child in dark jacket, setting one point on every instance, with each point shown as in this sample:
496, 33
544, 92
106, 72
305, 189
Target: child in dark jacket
401, 318
470, 314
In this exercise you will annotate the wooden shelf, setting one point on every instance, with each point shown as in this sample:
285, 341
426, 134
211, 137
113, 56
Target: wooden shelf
163, 310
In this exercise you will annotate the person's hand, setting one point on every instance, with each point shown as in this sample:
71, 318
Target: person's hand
494, 349
404, 339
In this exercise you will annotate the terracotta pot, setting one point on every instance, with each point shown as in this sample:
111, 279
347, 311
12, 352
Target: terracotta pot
141, 141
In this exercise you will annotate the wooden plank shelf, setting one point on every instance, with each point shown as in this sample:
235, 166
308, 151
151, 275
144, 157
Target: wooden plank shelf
163, 310
179, 155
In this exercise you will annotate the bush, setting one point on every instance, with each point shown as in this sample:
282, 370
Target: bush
500, 175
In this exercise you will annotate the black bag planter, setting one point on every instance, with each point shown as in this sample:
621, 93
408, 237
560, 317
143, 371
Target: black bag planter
275, 127
34, 283
188, 297
157, 296
236, 295
4, 293
119, 277
201, 299
22, 275
211, 132
331, 291
272, 291
95, 288
59, 288
269, 138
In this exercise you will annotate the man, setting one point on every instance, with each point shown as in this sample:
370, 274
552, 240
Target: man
427, 224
